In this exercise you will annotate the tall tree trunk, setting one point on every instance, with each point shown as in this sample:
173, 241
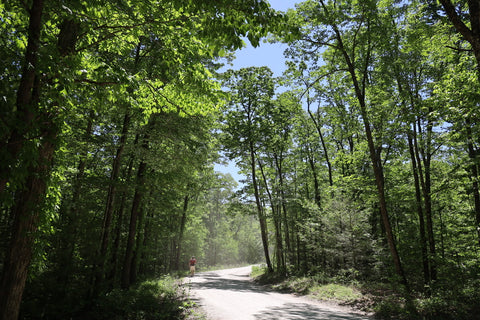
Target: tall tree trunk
27, 201
359, 88
28, 205
109, 206
138, 250
135, 213
324, 145
118, 229
421, 219
27, 92
423, 161
183, 222
261, 216
316, 185
278, 164
279, 256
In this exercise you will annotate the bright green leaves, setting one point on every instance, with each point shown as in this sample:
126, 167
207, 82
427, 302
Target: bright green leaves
251, 92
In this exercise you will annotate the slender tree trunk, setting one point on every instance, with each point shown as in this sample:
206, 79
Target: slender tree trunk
134, 215
278, 163
261, 216
138, 250
324, 145
359, 88
316, 185
183, 222
109, 206
276, 222
421, 219
423, 161
118, 229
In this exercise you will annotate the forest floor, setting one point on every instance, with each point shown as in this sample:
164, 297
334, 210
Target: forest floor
231, 294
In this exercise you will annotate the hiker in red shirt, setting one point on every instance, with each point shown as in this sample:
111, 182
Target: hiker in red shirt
192, 264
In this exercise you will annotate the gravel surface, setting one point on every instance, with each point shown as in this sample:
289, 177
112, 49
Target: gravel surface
231, 295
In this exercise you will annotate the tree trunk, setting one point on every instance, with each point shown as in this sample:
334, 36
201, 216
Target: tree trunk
278, 163
324, 146
423, 161
183, 222
277, 224
421, 219
28, 201
27, 213
261, 216
134, 215
138, 250
27, 93
112, 190
375, 159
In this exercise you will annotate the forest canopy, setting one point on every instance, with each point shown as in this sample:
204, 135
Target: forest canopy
361, 161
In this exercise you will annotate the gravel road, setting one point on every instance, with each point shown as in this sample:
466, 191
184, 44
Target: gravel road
231, 295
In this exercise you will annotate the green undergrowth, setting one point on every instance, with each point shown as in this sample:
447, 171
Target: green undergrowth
151, 300
310, 286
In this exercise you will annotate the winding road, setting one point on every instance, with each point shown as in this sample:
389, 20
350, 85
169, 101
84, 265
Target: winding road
231, 295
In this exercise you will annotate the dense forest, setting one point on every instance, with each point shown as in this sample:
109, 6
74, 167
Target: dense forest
361, 161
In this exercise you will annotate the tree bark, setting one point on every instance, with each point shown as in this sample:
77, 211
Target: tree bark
28, 201
183, 222
112, 190
27, 213
135, 214
278, 164
421, 219
27, 90
423, 155
324, 145
261, 216
279, 256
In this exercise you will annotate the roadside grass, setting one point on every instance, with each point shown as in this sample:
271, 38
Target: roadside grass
309, 286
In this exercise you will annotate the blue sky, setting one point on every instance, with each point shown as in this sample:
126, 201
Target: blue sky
267, 54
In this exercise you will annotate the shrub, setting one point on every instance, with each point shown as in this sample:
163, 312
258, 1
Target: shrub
150, 300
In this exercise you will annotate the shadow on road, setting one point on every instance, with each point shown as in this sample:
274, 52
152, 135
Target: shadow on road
234, 296
214, 281
296, 311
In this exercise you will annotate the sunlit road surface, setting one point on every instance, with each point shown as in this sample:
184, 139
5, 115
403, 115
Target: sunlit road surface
231, 295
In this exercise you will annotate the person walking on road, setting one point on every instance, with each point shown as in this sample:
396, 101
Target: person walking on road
192, 264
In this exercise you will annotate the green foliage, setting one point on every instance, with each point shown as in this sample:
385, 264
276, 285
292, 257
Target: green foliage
395, 65
159, 299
